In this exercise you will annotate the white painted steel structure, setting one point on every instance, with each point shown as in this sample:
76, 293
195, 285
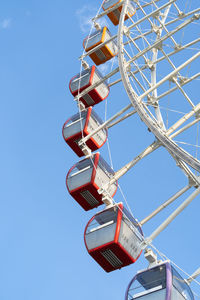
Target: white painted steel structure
155, 61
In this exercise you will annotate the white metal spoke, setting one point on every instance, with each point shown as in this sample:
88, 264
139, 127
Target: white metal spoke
193, 276
183, 16
188, 144
166, 204
183, 92
87, 90
138, 82
177, 50
178, 18
182, 120
144, 78
85, 139
171, 217
184, 128
162, 23
128, 166
170, 75
166, 36
115, 82
121, 119
172, 147
183, 82
139, 69
176, 81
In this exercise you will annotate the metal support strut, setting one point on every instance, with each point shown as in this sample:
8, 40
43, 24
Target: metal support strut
148, 240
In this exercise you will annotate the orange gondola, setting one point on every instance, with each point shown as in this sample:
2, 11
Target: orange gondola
114, 15
106, 51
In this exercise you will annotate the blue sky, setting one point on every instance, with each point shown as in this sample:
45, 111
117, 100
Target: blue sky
42, 252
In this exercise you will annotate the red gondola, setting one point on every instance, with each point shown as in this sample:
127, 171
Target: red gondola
113, 238
106, 51
80, 125
86, 177
84, 80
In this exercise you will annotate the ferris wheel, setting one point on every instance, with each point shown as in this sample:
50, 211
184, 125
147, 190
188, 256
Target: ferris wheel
154, 52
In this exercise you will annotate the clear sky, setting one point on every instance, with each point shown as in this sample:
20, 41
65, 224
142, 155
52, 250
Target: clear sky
42, 252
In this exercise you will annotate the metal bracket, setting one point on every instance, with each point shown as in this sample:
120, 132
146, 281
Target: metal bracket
85, 64
177, 47
181, 14
193, 183
107, 201
126, 31
151, 100
196, 16
173, 78
80, 105
197, 114
86, 150
182, 79
156, 14
150, 64
151, 257
97, 26
128, 68
156, 29
159, 46
106, 198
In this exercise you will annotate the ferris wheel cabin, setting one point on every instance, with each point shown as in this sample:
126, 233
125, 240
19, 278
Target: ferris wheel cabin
114, 15
85, 79
113, 238
79, 126
86, 177
162, 282
106, 51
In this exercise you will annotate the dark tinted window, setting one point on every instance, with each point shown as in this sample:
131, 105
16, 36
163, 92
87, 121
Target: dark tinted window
105, 167
78, 116
80, 79
153, 277
107, 216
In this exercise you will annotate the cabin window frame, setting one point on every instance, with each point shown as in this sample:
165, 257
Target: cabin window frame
179, 283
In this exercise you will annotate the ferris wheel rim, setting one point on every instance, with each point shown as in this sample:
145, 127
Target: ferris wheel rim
153, 126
